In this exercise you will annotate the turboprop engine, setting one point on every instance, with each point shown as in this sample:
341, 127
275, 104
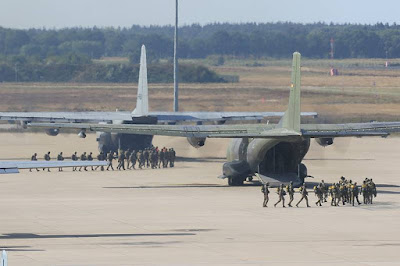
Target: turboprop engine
269, 157
324, 141
52, 131
197, 142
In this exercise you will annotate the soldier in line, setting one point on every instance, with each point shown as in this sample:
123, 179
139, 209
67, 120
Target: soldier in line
146, 158
333, 192
304, 195
319, 193
60, 158
83, 158
342, 192
110, 158
74, 158
47, 158
121, 160
290, 191
172, 157
154, 159
265, 191
354, 193
127, 158
324, 190
34, 158
166, 157
101, 157
90, 159
372, 188
161, 158
281, 193
132, 159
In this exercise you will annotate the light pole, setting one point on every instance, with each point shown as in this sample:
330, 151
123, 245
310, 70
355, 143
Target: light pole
176, 81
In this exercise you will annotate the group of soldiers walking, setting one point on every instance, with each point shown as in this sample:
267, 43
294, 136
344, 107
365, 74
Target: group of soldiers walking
150, 157
345, 191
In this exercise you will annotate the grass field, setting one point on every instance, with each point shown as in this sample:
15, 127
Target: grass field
364, 91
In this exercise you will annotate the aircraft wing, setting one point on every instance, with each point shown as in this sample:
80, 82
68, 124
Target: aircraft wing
162, 117
241, 131
11, 167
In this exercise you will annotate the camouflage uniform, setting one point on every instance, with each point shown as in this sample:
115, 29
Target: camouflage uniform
324, 191
354, 193
90, 159
34, 158
146, 158
319, 193
365, 192
265, 191
281, 193
290, 191
304, 195
127, 158
162, 158
83, 158
60, 158
101, 157
172, 157
133, 159
74, 158
47, 158
140, 157
121, 160
110, 158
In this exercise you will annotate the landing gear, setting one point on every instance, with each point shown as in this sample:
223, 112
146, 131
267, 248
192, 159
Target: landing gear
235, 182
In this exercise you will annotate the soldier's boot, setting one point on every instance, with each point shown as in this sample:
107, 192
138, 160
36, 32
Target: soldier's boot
48, 169
37, 170
80, 169
30, 170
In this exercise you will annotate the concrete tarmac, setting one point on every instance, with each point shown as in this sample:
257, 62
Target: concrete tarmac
186, 216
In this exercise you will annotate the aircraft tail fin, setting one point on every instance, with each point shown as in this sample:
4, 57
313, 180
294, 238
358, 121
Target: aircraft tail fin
291, 119
142, 102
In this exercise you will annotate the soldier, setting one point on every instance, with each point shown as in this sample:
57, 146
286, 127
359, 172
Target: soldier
100, 158
121, 160
141, 159
265, 191
324, 190
90, 159
342, 193
281, 193
60, 158
74, 158
161, 158
132, 159
83, 158
34, 158
354, 193
166, 157
146, 158
365, 192
372, 187
290, 191
127, 158
319, 193
153, 159
47, 158
172, 157
304, 195
110, 158
332, 193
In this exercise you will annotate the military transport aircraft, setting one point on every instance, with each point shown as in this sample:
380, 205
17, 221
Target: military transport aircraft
141, 115
12, 167
275, 152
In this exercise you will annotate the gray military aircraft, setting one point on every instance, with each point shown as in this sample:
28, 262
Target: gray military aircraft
12, 167
141, 115
275, 151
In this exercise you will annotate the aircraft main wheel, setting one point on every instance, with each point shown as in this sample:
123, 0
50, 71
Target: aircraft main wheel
235, 182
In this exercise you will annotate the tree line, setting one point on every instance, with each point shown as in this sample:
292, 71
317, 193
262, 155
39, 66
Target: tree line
277, 40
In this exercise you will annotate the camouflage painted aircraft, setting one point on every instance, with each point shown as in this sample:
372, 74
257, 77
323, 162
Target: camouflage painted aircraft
275, 152
140, 115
